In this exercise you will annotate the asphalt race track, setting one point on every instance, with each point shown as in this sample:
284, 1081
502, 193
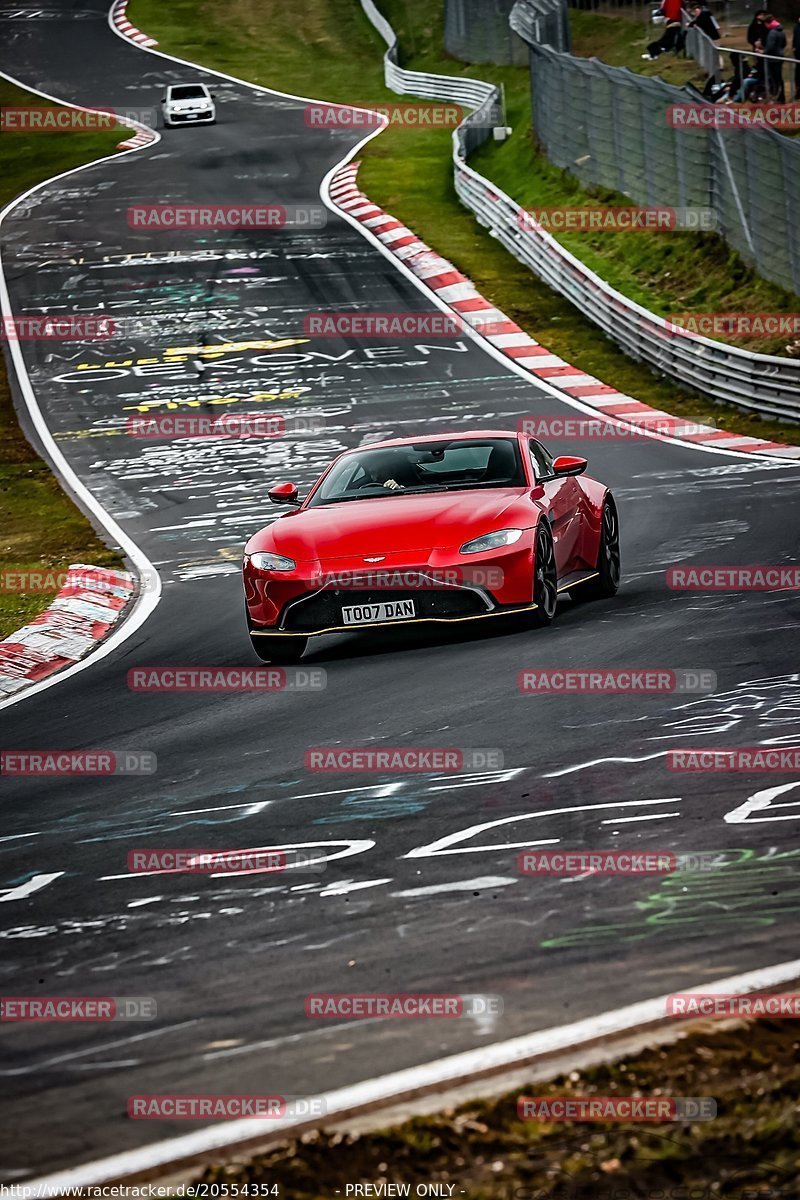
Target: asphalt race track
229, 960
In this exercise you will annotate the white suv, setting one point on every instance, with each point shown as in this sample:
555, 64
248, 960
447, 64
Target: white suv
184, 103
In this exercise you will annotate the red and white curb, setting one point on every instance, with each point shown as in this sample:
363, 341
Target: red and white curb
461, 295
90, 602
142, 138
122, 23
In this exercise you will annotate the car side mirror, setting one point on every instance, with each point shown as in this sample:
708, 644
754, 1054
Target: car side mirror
284, 493
568, 464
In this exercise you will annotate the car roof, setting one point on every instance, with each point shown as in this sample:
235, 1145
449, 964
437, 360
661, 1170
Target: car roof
187, 83
460, 436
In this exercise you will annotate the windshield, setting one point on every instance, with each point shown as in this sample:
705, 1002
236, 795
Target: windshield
423, 467
190, 91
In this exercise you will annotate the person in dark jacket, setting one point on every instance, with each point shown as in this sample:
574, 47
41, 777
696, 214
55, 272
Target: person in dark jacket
669, 40
757, 31
796, 52
774, 47
756, 36
705, 20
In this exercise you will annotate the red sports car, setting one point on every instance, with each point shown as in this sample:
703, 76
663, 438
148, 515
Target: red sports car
444, 528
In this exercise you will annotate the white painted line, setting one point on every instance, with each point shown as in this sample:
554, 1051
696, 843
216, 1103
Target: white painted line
459, 885
645, 817
430, 1077
147, 600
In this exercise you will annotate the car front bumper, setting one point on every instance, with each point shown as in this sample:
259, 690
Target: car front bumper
447, 587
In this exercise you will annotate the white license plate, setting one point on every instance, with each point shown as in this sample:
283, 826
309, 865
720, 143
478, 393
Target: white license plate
192, 116
367, 614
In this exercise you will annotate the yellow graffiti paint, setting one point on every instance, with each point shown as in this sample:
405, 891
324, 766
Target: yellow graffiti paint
292, 393
178, 353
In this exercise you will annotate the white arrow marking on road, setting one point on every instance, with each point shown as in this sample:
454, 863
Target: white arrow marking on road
443, 845
34, 884
762, 800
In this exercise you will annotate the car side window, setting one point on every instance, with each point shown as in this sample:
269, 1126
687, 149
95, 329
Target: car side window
542, 459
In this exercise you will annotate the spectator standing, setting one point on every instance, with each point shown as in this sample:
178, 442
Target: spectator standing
757, 31
774, 47
757, 36
705, 20
796, 52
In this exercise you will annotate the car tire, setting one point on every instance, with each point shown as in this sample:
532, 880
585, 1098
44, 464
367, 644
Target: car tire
545, 577
606, 582
279, 649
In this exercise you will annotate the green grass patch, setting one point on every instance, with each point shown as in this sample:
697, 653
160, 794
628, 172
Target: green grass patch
620, 39
333, 53
40, 527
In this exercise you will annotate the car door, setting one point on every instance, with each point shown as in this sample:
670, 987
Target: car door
561, 501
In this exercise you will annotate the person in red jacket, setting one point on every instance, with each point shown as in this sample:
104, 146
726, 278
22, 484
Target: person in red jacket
672, 12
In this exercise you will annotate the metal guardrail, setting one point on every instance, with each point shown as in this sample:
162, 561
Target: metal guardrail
703, 50
762, 383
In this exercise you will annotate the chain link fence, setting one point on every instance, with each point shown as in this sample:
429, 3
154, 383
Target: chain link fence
612, 128
761, 383
478, 31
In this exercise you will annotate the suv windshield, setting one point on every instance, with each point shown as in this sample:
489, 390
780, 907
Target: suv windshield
190, 91
442, 466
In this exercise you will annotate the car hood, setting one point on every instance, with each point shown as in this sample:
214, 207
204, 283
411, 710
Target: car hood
394, 524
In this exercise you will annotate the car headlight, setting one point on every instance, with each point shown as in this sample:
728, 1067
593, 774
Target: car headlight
492, 541
272, 562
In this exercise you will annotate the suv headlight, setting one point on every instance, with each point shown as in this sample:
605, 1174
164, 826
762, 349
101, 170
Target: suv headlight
492, 541
272, 562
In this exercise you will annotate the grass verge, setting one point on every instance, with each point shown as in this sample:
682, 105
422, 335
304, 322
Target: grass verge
750, 1150
41, 527
333, 53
